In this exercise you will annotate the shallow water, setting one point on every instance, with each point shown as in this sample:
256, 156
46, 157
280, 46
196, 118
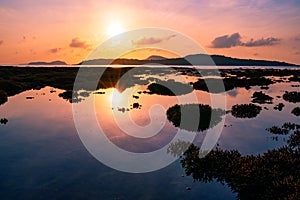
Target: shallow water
42, 156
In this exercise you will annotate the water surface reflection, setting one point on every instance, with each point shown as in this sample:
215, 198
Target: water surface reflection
41, 155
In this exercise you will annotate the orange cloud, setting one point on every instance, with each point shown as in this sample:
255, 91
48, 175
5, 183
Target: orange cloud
55, 50
1, 42
152, 40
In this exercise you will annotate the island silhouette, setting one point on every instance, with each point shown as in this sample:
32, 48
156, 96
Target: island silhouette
198, 59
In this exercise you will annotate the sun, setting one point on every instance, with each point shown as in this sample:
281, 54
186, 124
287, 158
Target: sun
114, 29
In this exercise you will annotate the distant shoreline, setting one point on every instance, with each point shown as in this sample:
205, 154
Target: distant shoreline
154, 66
190, 60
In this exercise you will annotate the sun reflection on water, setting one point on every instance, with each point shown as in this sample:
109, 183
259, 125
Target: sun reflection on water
116, 98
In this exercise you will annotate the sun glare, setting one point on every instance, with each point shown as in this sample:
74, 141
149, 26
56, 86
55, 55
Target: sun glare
116, 97
114, 29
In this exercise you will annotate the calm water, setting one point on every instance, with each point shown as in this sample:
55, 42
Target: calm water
42, 156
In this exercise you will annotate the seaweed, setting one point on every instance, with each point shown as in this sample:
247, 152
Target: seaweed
296, 111
3, 121
14, 80
169, 88
245, 110
294, 139
261, 98
70, 96
279, 107
3, 97
230, 83
178, 148
271, 175
278, 131
293, 96
295, 78
136, 106
209, 117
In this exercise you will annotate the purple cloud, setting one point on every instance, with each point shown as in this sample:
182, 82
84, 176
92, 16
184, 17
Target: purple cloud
261, 42
77, 43
297, 38
227, 41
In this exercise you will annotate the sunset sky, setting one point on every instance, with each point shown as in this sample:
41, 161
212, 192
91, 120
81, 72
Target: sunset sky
66, 30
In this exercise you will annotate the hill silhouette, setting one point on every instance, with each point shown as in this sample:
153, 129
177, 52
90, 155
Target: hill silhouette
156, 57
57, 62
197, 59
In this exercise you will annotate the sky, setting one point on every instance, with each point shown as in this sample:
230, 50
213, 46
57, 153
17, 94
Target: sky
48, 30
